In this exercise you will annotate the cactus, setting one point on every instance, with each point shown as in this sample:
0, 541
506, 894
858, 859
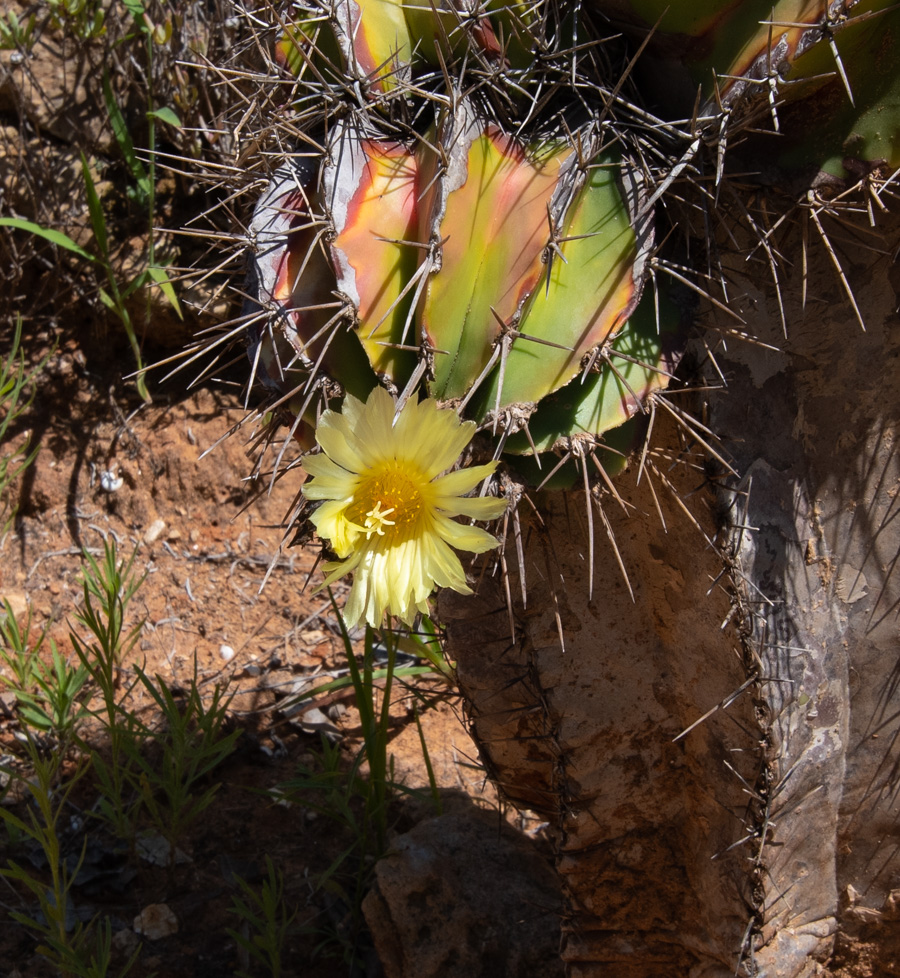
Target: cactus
507, 215
483, 245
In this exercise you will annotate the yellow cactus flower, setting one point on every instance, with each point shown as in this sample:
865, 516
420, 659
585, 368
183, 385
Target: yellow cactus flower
387, 511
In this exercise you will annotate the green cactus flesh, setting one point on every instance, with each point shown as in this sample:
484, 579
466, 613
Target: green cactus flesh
505, 265
596, 402
493, 224
841, 65
581, 302
823, 127
479, 225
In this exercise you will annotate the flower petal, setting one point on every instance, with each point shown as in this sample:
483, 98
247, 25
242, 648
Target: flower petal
331, 481
373, 428
463, 480
433, 436
444, 567
464, 537
341, 447
476, 507
331, 523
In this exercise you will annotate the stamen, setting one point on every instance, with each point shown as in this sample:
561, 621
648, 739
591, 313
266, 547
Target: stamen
376, 521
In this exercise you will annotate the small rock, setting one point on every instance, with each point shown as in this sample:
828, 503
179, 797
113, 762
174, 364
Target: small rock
891, 906
17, 601
227, 653
455, 877
154, 849
155, 922
8, 700
252, 670
865, 915
314, 721
154, 531
111, 482
336, 711
125, 942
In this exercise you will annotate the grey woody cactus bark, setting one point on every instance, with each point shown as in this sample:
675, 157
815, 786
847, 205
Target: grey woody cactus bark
766, 830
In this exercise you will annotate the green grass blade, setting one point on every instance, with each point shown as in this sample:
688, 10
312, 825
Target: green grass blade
123, 138
160, 277
166, 115
49, 234
95, 209
432, 780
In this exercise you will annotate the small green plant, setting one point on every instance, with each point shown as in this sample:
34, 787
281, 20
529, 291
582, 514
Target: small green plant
16, 649
151, 769
341, 788
108, 586
49, 796
16, 393
55, 706
16, 35
85, 19
359, 799
49, 697
265, 922
170, 763
89, 952
77, 951
113, 583
143, 189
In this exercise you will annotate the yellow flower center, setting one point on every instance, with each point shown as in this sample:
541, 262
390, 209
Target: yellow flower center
389, 502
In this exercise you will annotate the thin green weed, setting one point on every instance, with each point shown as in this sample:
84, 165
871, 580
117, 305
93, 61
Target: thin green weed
17, 35
49, 697
52, 696
55, 707
89, 953
17, 387
108, 587
265, 922
49, 795
18, 651
171, 762
83, 19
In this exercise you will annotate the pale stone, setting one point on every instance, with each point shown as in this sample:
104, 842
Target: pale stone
156, 921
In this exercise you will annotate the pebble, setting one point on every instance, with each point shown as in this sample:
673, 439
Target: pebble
154, 531
125, 942
110, 482
18, 601
227, 652
156, 921
154, 849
